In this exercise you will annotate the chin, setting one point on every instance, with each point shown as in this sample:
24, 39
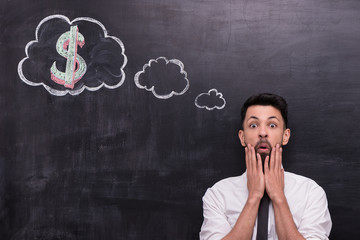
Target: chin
263, 156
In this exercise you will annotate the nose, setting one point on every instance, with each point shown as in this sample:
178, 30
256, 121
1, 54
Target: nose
263, 133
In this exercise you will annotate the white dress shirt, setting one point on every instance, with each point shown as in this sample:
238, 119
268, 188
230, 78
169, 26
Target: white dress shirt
223, 203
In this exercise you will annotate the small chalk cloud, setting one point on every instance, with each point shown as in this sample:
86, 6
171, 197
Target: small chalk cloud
104, 56
164, 78
210, 100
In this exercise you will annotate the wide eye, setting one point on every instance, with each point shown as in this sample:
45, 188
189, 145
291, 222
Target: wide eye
272, 125
253, 125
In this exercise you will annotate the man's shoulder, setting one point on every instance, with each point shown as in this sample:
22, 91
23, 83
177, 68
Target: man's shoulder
229, 186
298, 183
227, 189
300, 179
230, 182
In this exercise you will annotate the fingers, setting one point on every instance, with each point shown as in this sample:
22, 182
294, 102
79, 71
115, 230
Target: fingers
253, 159
250, 158
279, 158
259, 163
277, 153
247, 158
276, 157
272, 158
266, 165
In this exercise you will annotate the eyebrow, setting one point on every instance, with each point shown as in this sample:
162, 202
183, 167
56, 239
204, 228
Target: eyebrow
271, 117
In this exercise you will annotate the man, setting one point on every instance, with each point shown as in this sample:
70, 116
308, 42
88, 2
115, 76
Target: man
298, 206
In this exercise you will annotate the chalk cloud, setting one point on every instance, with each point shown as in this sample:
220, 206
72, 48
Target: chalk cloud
163, 78
104, 55
210, 100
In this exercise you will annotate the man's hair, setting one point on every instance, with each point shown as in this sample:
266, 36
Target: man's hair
266, 99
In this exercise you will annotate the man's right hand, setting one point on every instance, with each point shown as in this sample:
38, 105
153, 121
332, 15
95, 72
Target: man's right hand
243, 228
255, 174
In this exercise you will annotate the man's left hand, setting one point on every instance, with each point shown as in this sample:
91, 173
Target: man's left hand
274, 175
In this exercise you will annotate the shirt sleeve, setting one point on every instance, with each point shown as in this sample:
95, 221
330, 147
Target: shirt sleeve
215, 225
316, 221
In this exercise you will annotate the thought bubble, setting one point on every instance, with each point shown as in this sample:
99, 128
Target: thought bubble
164, 78
210, 100
70, 56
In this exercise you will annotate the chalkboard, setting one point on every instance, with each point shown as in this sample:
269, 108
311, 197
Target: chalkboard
126, 147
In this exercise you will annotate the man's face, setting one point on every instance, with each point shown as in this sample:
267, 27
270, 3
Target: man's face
263, 128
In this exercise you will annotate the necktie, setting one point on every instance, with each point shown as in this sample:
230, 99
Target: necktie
263, 213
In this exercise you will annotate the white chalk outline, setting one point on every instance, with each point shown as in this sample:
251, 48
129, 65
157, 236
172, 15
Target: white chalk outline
77, 91
152, 89
209, 93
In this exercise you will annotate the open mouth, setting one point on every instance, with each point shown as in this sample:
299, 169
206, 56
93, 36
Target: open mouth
263, 148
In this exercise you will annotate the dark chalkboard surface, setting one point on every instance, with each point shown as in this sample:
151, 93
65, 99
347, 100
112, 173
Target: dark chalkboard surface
130, 149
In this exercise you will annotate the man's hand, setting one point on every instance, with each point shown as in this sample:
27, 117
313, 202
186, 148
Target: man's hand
255, 175
274, 175
243, 228
274, 184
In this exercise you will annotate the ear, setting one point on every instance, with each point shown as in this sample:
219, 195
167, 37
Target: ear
242, 138
286, 136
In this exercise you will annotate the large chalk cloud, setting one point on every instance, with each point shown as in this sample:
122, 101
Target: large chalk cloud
104, 56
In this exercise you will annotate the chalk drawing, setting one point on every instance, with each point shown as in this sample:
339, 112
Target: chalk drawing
104, 55
164, 78
66, 46
210, 100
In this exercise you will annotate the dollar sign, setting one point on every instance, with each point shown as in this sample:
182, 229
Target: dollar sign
66, 46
